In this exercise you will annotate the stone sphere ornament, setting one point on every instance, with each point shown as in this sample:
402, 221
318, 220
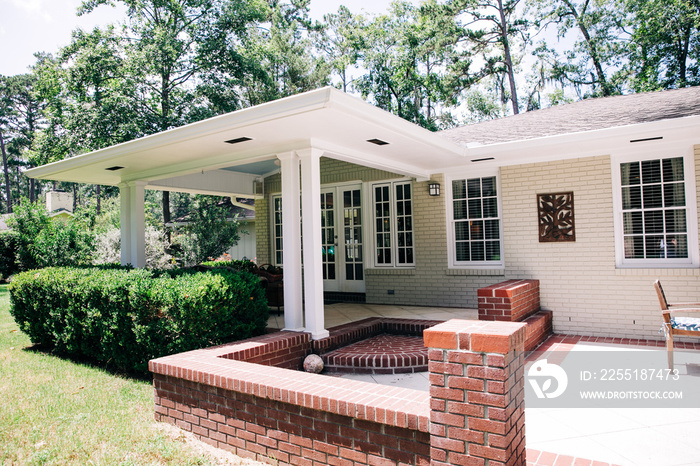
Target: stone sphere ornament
313, 363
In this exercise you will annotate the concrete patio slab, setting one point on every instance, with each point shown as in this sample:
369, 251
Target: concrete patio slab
630, 436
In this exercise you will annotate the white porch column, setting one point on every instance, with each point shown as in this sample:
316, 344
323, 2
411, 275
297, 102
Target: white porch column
125, 222
291, 242
311, 215
132, 223
138, 223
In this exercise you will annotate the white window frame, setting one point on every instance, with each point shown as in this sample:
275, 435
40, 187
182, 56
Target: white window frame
660, 152
393, 221
449, 205
273, 232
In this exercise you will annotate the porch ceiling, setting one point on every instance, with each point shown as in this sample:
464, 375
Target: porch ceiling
328, 119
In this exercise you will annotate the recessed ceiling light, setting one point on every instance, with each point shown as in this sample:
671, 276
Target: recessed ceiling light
378, 142
237, 140
114, 168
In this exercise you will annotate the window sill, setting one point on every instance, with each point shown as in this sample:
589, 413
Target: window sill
390, 271
691, 271
499, 271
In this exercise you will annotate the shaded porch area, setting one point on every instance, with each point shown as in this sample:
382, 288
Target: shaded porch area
345, 313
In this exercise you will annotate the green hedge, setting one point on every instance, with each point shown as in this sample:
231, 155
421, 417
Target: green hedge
9, 241
234, 264
121, 317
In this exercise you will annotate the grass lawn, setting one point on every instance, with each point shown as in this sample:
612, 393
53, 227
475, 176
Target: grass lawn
54, 411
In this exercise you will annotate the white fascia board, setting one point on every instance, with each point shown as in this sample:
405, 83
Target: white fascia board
345, 154
574, 145
277, 109
217, 182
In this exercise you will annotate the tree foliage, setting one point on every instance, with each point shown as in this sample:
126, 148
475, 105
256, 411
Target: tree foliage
596, 58
436, 63
487, 43
405, 59
209, 231
665, 43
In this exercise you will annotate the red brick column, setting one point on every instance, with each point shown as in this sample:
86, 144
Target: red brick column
477, 393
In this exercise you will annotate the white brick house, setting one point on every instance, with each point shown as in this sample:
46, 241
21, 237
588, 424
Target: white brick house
372, 230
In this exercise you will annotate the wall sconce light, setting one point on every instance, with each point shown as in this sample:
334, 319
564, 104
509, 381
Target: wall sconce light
434, 189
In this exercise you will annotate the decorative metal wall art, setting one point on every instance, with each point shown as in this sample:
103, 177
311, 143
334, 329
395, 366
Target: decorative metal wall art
556, 217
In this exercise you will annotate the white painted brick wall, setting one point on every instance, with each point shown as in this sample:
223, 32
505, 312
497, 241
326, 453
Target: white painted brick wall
578, 280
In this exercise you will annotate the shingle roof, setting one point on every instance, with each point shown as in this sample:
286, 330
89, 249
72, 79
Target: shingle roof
585, 115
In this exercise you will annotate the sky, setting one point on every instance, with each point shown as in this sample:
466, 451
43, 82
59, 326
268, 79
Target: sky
30, 26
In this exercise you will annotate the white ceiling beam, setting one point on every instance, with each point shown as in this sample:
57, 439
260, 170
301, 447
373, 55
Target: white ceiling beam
215, 182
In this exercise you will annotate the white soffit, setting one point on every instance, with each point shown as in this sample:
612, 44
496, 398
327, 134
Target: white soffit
292, 123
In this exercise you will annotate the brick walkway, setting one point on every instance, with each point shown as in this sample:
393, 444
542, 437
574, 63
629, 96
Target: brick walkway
545, 458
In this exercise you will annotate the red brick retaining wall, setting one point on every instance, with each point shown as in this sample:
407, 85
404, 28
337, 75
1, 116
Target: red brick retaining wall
279, 349
289, 433
292, 417
539, 327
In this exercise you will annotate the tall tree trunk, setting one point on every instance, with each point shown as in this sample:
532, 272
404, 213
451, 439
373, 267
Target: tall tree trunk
32, 190
8, 191
683, 57
604, 85
166, 206
509, 60
75, 197
98, 192
165, 111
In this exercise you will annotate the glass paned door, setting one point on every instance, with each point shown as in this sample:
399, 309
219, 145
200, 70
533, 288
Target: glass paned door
352, 229
342, 240
329, 238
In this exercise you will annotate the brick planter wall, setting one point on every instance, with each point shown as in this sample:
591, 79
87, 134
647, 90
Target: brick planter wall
266, 429
279, 349
473, 411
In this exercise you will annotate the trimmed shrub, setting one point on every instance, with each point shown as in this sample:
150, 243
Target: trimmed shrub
9, 242
246, 265
122, 318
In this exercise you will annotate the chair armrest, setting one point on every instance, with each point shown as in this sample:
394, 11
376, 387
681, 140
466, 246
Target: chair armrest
685, 305
680, 310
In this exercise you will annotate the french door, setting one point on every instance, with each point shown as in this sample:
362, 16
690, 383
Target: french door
341, 238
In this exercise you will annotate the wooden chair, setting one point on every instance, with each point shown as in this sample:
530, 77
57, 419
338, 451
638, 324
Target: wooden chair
681, 326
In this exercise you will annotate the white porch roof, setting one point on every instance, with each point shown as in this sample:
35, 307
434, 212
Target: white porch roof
327, 119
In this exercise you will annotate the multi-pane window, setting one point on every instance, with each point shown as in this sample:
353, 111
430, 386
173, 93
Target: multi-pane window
404, 224
654, 213
277, 228
382, 216
476, 221
393, 216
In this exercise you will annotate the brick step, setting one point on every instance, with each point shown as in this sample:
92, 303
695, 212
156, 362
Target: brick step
381, 354
539, 328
